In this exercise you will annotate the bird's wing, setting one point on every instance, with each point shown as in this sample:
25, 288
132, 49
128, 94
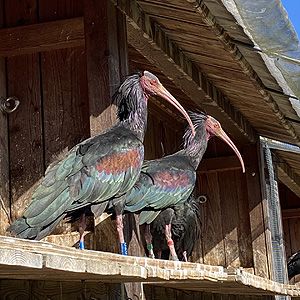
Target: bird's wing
99, 168
192, 226
162, 183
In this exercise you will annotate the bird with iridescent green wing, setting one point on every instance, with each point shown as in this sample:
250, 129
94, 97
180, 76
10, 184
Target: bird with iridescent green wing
168, 182
99, 169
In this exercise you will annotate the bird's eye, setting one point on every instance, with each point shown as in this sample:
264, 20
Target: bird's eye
216, 125
153, 81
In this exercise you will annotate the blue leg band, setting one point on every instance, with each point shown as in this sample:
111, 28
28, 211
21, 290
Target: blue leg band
81, 245
123, 247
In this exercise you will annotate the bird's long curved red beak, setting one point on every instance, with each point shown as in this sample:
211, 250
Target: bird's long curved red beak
214, 128
164, 93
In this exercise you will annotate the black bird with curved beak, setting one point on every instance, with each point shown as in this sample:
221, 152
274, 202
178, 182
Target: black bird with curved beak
99, 169
293, 265
169, 181
185, 229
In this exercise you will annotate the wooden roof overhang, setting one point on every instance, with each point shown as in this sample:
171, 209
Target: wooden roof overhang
201, 49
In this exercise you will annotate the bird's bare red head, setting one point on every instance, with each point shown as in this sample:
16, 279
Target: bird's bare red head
152, 86
213, 128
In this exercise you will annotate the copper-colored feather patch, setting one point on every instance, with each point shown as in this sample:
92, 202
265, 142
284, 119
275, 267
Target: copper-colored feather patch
120, 162
171, 180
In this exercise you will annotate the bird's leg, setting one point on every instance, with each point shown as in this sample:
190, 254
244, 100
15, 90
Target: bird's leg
148, 238
123, 245
168, 234
184, 254
82, 226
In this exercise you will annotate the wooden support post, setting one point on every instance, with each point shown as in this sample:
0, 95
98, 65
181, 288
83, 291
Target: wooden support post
257, 218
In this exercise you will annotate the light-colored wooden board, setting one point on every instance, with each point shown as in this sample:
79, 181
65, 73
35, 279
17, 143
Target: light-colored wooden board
68, 264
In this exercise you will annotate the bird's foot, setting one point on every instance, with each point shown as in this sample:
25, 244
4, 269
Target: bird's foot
184, 254
81, 245
173, 257
123, 248
150, 251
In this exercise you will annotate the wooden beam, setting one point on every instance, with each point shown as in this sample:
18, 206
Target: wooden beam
219, 164
147, 37
40, 37
290, 213
287, 175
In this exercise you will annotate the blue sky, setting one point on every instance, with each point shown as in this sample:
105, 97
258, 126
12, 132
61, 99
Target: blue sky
293, 9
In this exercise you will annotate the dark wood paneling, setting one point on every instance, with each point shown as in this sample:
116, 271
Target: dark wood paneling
257, 222
210, 212
97, 52
244, 232
54, 290
25, 124
4, 153
229, 213
65, 100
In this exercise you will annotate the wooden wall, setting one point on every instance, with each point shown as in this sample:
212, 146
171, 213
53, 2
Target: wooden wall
54, 111
233, 231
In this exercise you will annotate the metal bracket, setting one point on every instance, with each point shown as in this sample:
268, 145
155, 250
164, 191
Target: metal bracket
9, 104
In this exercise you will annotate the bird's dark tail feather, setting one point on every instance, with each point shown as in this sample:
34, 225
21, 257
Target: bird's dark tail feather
21, 229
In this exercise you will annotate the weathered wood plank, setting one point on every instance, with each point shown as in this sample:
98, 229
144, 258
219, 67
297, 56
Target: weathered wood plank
229, 213
69, 264
256, 212
25, 124
244, 232
4, 147
41, 37
210, 212
97, 54
64, 84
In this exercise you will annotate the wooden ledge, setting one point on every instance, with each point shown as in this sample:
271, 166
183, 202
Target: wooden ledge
35, 260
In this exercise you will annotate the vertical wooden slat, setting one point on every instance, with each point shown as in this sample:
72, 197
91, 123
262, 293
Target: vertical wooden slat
244, 232
97, 52
229, 212
257, 222
64, 94
4, 154
212, 238
64, 85
25, 124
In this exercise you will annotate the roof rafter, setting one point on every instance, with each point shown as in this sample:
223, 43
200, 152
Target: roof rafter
148, 38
